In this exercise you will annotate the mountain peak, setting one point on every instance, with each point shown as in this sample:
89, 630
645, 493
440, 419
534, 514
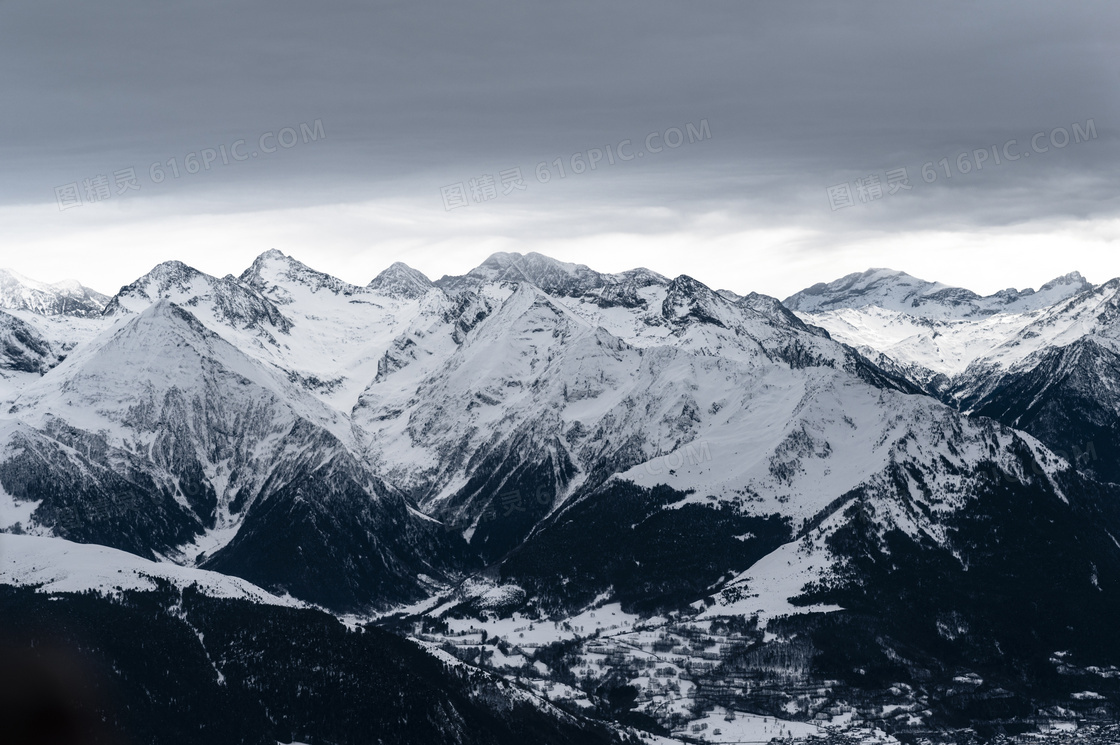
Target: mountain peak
157, 283
688, 299
165, 309
226, 298
1072, 278
271, 260
401, 281
274, 269
172, 269
882, 272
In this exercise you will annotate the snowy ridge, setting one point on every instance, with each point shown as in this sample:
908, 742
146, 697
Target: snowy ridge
900, 292
56, 565
225, 305
339, 333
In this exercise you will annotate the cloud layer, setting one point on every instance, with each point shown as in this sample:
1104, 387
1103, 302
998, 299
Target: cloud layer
416, 98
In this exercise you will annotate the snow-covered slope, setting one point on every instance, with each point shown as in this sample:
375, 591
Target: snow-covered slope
927, 346
1094, 313
544, 394
23, 349
24, 355
56, 565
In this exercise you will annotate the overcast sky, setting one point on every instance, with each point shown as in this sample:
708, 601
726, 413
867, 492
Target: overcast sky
401, 102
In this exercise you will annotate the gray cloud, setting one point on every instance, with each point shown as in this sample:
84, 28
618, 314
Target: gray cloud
416, 96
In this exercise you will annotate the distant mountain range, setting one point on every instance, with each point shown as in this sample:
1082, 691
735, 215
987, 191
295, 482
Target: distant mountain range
1044, 362
59, 299
881, 505
899, 292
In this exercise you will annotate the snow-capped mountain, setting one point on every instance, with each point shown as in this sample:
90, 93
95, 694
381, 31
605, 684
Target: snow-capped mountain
401, 281
222, 303
926, 327
1047, 366
60, 298
162, 438
900, 292
526, 376
924, 331
691, 458
556, 392
39, 324
1059, 379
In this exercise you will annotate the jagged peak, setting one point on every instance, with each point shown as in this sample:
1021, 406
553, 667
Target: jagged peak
275, 268
726, 308
690, 299
230, 299
556, 277
1072, 278
158, 280
641, 276
685, 283
399, 266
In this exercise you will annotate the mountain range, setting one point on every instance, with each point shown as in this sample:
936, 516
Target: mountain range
638, 506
